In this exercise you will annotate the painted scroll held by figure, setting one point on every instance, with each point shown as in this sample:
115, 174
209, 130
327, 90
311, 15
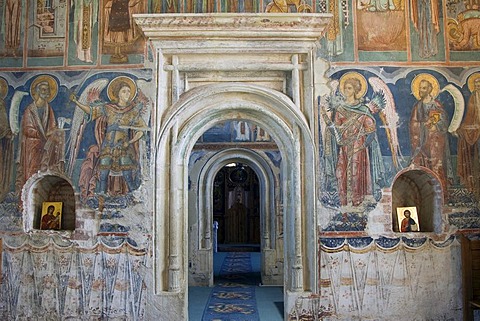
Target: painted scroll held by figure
429, 128
42, 142
468, 161
113, 162
359, 168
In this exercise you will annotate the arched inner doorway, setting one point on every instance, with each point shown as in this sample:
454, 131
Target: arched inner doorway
203, 173
236, 209
235, 182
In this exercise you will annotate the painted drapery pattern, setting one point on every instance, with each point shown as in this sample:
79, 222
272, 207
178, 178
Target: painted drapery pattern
57, 281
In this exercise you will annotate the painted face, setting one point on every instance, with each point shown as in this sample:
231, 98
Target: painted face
44, 91
124, 94
425, 89
348, 90
406, 213
476, 85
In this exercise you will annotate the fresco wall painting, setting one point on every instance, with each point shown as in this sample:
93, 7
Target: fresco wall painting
90, 33
371, 129
70, 33
400, 97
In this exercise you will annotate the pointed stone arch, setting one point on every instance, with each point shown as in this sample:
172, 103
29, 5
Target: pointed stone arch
195, 112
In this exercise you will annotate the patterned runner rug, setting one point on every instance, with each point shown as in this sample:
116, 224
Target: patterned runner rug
233, 297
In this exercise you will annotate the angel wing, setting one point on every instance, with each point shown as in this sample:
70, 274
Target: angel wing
325, 103
14, 111
459, 107
78, 123
333, 84
385, 104
144, 94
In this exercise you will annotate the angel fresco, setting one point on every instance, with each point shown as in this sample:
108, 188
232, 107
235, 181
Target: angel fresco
468, 162
429, 126
42, 141
351, 141
113, 161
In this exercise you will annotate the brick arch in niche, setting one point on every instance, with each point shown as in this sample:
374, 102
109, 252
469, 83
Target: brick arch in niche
198, 110
202, 186
419, 187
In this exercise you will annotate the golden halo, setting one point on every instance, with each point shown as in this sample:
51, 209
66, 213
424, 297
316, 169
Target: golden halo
471, 81
51, 82
416, 85
3, 88
114, 83
359, 77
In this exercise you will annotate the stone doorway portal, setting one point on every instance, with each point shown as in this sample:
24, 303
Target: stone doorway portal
217, 67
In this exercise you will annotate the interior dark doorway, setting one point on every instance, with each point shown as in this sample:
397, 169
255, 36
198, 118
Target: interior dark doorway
236, 209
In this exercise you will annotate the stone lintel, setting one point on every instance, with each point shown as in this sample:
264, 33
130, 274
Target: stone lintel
225, 27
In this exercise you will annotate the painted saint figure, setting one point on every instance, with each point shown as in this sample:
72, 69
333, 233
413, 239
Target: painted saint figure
85, 16
118, 128
50, 220
42, 143
468, 164
425, 18
359, 169
428, 129
6, 143
13, 10
119, 28
408, 223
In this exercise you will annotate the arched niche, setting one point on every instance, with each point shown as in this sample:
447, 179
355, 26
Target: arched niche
419, 188
48, 187
202, 176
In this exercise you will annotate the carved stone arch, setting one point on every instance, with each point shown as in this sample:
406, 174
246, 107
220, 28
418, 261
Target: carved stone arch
191, 116
202, 186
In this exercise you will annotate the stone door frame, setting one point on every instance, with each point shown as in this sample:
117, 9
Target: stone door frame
212, 68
